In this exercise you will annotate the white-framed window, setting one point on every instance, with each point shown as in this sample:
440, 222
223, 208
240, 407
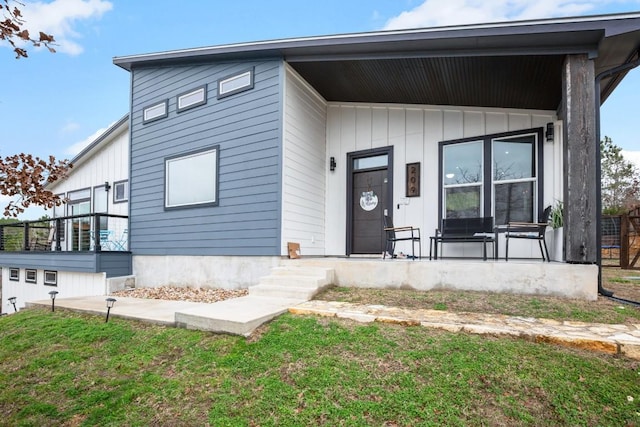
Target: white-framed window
495, 175
155, 111
14, 274
120, 191
192, 98
192, 179
31, 275
235, 83
50, 278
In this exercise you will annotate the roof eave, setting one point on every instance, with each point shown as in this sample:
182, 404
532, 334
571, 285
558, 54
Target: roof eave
350, 43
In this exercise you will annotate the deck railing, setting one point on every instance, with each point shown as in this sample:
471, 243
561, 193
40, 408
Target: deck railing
94, 232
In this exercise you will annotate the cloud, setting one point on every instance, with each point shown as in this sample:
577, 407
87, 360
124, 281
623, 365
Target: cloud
633, 157
81, 145
59, 17
433, 13
70, 127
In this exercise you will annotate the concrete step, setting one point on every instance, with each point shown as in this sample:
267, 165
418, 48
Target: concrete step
290, 270
239, 316
294, 281
275, 291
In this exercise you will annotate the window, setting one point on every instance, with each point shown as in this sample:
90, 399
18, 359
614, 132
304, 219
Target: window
30, 276
51, 278
58, 211
14, 274
514, 179
235, 83
120, 191
192, 179
462, 178
100, 202
83, 194
192, 98
155, 111
80, 227
496, 175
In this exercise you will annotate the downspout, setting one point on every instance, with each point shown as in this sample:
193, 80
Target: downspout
615, 70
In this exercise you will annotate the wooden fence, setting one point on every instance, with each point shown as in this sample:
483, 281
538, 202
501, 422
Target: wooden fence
620, 237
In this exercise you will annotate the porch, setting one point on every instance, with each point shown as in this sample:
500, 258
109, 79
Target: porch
90, 243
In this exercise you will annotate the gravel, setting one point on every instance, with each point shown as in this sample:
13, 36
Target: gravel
173, 293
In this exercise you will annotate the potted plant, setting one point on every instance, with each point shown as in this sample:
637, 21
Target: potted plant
556, 221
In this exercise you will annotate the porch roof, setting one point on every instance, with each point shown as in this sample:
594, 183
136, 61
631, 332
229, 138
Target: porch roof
510, 64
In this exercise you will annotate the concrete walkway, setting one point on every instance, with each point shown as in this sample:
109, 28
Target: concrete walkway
241, 316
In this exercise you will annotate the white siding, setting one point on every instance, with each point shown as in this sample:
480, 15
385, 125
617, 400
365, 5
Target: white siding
305, 166
109, 164
70, 284
414, 133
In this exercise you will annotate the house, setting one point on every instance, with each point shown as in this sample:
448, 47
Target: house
237, 150
66, 259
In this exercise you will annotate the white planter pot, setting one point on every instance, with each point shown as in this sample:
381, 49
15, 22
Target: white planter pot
557, 252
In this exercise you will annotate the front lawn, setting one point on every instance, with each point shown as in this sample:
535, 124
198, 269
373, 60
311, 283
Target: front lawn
66, 368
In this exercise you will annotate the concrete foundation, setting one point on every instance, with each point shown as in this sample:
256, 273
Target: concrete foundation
224, 272
531, 277
518, 277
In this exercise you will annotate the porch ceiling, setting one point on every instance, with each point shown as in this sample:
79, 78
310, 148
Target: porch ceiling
532, 82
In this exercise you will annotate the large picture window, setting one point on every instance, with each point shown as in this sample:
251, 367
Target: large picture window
495, 175
192, 179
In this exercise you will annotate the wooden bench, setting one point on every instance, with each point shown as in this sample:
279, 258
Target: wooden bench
464, 230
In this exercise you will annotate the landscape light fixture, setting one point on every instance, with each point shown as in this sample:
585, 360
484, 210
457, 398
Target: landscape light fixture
12, 300
53, 294
110, 302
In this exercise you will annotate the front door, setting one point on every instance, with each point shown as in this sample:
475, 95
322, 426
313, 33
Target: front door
370, 199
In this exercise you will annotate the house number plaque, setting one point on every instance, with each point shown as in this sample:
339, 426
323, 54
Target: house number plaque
413, 179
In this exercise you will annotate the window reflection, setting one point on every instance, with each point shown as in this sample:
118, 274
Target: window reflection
462, 163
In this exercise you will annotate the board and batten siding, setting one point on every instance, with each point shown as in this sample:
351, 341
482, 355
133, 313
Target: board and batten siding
70, 284
304, 166
246, 127
414, 132
109, 164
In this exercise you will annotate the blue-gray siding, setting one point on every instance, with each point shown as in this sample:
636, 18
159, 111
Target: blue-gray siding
113, 263
247, 129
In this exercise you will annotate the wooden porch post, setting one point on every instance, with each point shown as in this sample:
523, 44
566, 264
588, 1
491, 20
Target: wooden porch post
580, 153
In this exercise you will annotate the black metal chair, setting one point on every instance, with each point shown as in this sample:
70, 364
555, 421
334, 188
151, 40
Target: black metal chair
530, 231
399, 234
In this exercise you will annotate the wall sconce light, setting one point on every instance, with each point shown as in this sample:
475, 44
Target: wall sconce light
53, 300
548, 135
332, 164
110, 302
107, 187
12, 300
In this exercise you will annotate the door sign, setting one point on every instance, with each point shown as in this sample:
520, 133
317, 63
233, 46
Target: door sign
368, 200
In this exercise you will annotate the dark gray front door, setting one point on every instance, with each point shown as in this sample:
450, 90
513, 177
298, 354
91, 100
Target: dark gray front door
370, 196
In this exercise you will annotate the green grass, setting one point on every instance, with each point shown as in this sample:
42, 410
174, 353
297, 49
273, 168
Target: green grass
66, 368
600, 311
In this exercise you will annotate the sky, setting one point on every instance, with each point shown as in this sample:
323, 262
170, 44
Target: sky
56, 104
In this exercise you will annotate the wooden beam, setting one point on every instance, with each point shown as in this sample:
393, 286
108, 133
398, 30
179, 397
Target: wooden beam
581, 151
